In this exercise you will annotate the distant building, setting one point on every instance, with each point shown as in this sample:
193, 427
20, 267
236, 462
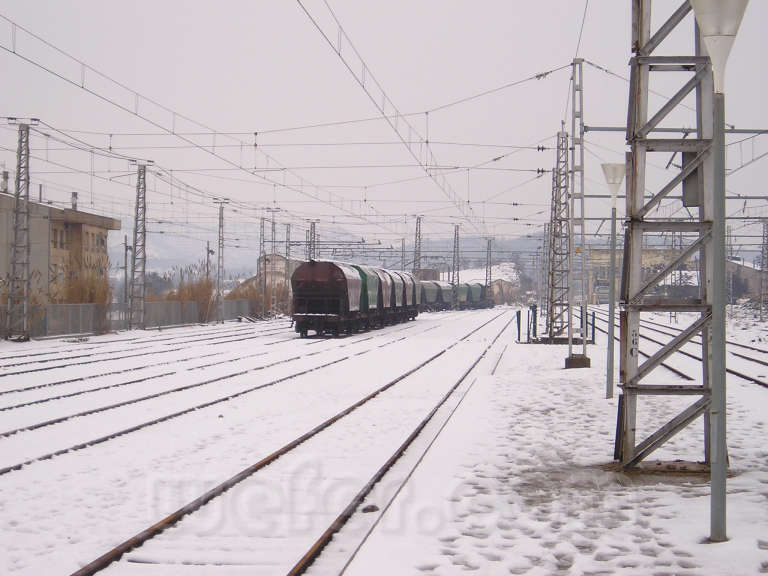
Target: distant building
682, 282
427, 274
278, 273
65, 245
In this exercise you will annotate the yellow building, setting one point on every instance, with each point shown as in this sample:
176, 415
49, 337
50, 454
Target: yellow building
65, 246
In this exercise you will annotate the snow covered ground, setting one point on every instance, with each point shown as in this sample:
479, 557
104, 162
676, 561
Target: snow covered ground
503, 271
507, 478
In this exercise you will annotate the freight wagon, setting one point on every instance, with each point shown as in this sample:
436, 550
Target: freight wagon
334, 297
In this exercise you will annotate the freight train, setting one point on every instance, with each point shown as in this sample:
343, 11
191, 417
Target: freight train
334, 297
437, 295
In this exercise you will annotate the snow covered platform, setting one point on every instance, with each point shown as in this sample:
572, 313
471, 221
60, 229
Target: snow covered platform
519, 482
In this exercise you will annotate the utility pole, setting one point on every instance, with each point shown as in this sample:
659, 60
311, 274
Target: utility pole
126, 248
139, 254
271, 267
544, 271
307, 247
577, 266
559, 243
312, 240
287, 268
455, 266
402, 254
17, 327
488, 265
764, 273
728, 269
208, 253
417, 248
220, 263
263, 258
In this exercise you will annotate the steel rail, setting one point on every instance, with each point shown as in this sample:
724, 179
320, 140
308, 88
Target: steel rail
115, 553
698, 358
113, 435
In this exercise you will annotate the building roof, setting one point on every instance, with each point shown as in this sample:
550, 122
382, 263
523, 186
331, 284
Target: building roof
65, 215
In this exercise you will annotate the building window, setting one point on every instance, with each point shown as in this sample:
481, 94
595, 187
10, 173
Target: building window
55, 236
62, 239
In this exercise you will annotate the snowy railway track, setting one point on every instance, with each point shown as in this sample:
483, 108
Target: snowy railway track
672, 369
234, 336
144, 379
66, 347
343, 431
337, 344
604, 318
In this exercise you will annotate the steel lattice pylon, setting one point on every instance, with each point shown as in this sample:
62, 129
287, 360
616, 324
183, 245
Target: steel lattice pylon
764, 272
220, 267
263, 263
19, 286
287, 257
139, 254
488, 265
455, 265
312, 241
417, 246
644, 219
577, 267
559, 244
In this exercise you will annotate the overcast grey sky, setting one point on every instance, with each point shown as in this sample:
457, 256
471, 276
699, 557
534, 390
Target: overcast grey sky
262, 66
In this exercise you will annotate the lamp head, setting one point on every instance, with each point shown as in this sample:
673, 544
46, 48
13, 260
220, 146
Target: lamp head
614, 175
719, 21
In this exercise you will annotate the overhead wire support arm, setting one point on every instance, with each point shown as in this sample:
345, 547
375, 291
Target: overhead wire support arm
417, 146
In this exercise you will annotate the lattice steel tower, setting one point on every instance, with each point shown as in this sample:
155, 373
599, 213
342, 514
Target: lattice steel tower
312, 241
263, 264
455, 265
559, 244
577, 266
764, 273
19, 286
488, 264
139, 254
287, 257
417, 246
220, 265
644, 219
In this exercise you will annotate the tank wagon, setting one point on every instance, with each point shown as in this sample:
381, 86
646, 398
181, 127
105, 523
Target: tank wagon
334, 297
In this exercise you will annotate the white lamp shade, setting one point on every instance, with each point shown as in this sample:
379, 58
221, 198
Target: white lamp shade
614, 175
719, 21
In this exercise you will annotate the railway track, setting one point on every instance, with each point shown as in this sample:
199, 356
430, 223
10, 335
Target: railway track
95, 357
142, 367
604, 318
217, 399
95, 344
361, 426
